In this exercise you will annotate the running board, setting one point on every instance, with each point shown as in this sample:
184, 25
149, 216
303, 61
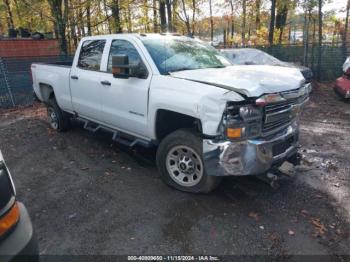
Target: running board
116, 135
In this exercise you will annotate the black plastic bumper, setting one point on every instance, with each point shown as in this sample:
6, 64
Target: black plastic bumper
21, 244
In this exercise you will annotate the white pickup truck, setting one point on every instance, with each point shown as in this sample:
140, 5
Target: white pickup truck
207, 118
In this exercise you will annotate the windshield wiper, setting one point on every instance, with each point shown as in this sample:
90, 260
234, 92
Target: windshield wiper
181, 69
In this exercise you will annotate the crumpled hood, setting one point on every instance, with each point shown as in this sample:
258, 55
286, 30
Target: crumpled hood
250, 80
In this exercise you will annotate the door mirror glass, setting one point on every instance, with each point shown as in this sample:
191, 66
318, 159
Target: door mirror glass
121, 68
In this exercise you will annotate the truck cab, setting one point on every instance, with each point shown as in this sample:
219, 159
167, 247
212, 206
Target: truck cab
207, 117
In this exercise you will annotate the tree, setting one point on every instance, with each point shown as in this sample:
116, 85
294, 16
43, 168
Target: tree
211, 21
272, 22
281, 18
170, 16
115, 7
320, 37
162, 13
155, 17
232, 17
187, 8
59, 11
346, 28
244, 18
257, 14
10, 23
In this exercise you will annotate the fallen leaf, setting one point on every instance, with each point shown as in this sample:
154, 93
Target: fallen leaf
319, 227
304, 212
254, 216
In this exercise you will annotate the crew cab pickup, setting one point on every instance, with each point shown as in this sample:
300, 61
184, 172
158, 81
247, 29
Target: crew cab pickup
207, 117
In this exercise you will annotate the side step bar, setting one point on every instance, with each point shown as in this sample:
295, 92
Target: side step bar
116, 135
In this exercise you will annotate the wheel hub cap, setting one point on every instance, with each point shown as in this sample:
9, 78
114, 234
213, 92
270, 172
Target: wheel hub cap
184, 166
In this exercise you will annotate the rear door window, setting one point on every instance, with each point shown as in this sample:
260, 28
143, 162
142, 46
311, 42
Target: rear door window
91, 55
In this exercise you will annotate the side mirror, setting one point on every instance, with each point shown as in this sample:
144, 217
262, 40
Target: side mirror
120, 66
122, 69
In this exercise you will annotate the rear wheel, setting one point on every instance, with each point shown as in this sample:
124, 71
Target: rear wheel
58, 119
179, 159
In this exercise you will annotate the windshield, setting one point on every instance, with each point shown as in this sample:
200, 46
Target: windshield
172, 54
251, 57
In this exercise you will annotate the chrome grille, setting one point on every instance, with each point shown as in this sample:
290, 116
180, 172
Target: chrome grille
279, 115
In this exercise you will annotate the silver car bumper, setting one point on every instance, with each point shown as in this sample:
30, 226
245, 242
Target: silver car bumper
251, 157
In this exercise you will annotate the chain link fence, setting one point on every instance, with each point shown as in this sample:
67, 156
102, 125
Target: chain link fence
16, 83
16, 80
332, 58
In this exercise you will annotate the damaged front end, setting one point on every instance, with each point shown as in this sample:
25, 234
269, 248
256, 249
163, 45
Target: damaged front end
256, 135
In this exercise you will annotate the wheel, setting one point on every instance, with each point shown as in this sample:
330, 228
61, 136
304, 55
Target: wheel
58, 119
180, 161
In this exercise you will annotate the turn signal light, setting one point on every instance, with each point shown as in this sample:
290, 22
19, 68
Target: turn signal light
234, 132
9, 220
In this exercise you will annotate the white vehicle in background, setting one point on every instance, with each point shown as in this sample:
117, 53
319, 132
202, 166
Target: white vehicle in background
207, 118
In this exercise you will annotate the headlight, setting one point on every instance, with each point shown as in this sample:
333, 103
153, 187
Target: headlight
242, 121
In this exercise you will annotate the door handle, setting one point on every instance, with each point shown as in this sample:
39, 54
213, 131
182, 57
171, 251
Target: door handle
106, 83
74, 77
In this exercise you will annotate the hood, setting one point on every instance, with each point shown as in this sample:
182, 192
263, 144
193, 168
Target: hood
251, 81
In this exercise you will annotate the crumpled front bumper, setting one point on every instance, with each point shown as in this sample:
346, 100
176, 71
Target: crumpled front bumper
251, 157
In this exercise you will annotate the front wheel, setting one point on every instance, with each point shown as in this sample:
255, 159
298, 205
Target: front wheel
180, 161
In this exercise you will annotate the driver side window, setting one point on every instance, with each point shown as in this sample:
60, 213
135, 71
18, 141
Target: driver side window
123, 47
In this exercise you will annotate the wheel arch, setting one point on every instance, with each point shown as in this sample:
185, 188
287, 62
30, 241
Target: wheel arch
168, 121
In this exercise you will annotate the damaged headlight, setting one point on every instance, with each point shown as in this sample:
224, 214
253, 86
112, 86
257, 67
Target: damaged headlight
242, 121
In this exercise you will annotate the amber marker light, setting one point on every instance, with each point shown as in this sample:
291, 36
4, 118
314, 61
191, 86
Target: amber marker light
234, 132
9, 220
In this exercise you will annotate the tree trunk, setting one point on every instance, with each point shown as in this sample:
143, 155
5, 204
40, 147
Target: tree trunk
281, 19
187, 19
155, 17
88, 17
170, 15
106, 14
211, 22
272, 22
10, 23
306, 37
116, 16
257, 15
320, 19
244, 18
346, 29
232, 18
59, 10
193, 16
72, 24
162, 13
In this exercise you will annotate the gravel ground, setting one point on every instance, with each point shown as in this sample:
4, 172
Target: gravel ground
87, 195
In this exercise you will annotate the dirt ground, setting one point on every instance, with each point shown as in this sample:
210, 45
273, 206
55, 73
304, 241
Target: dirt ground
87, 195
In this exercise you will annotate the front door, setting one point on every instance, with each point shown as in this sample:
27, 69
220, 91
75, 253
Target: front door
124, 101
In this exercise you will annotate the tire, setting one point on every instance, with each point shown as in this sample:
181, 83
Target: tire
58, 119
180, 155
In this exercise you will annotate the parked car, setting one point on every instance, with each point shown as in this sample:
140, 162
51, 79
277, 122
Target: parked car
342, 84
207, 118
17, 239
251, 56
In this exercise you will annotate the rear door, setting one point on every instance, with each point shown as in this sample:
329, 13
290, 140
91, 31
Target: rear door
124, 101
85, 80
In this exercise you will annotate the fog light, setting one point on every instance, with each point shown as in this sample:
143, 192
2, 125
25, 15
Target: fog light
234, 132
9, 219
